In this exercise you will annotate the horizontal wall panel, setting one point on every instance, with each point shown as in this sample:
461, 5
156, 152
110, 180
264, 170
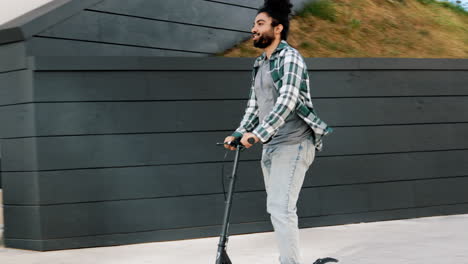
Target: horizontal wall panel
22, 221
34, 21
126, 117
16, 87
441, 191
41, 46
87, 86
154, 85
10, 35
123, 117
70, 186
341, 170
198, 12
103, 27
21, 188
20, 120
23, 155
247, 3
400, 110
115, 150
174, 148
243, 228
193, 85
126, 183
13, 57
399, 65
119, 216
387, 83
60, 221
383, 215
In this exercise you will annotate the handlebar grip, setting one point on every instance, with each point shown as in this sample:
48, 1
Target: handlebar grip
236, 142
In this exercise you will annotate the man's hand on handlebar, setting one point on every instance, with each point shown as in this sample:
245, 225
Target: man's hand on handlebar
245, 139
227, 140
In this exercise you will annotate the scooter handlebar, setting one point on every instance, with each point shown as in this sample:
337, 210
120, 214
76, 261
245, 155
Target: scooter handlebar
237, 142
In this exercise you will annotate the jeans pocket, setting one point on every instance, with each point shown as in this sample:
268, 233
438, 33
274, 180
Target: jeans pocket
310, 152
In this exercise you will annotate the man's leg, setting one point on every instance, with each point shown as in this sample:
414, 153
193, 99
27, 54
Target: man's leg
284, 168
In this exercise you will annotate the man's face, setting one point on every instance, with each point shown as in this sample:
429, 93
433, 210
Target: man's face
262, 31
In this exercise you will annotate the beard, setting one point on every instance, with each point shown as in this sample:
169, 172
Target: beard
264, 40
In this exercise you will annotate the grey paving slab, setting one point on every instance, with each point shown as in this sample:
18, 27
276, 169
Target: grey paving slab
428, 240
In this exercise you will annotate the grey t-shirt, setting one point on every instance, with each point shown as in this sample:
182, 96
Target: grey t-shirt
294, 130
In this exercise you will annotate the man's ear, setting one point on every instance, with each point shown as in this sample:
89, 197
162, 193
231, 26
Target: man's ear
279, 29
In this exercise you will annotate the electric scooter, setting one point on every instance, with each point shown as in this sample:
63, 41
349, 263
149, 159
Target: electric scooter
221, 255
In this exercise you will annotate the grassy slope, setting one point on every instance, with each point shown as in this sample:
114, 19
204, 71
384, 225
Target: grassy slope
376, 28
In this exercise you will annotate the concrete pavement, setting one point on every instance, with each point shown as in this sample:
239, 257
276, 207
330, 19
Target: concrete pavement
428, 240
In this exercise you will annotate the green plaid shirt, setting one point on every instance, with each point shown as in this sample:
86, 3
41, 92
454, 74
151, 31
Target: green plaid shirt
291, 80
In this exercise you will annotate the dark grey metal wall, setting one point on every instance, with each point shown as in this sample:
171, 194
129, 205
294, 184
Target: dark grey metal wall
117, 150
12, 66
187, 28
138, 27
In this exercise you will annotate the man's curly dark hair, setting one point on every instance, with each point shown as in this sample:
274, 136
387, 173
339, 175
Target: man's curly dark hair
279, 11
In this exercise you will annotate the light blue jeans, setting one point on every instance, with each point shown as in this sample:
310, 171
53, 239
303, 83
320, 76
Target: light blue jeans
284, 168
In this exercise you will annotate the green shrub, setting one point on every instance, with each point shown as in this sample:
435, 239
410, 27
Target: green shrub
306, 45
355, 23
324, 9
424, 32
426, 2
456, 8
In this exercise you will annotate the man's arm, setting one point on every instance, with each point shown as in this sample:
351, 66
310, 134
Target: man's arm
287, 99
250, 119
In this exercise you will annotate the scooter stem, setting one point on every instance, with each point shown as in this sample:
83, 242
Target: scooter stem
221, 256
